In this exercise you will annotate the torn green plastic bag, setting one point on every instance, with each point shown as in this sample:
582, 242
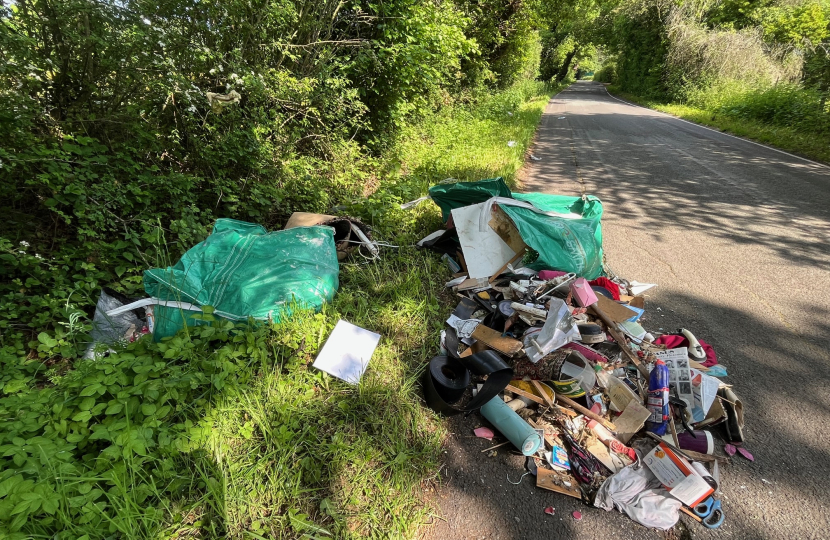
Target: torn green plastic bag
448, 197
244, 271
572, 243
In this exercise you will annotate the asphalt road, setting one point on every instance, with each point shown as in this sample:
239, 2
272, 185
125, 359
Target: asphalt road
737, 237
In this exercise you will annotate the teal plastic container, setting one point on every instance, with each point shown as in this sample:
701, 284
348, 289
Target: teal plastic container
511, 425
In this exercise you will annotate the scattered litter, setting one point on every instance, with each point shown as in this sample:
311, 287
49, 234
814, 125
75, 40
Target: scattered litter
553, 350
347, 352
745, 453
534, 158
484, 433
218, 102
550, 510
511, 144
577, 515
413, 204
561, 117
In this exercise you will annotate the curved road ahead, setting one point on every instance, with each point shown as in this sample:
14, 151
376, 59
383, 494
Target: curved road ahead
737, 235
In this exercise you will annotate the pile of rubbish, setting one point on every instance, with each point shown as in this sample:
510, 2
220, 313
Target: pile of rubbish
547, 345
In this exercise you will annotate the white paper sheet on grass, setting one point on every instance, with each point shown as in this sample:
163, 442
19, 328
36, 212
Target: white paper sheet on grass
347, 352
484, 251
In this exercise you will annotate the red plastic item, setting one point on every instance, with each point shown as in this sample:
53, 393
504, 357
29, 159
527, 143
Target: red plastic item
577, 515
745, 453
606, 283
673, 341
550, 510
484, 433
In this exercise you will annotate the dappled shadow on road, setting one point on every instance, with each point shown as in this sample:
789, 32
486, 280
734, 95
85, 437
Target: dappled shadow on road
652, 170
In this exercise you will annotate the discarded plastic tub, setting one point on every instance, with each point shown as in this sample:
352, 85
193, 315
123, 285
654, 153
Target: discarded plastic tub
511, 425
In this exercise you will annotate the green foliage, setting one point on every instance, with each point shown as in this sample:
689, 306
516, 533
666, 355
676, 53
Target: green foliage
607, 74
641, 46
802, 24
760, 61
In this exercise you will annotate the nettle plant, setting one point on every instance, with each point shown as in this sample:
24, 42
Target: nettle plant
116, 435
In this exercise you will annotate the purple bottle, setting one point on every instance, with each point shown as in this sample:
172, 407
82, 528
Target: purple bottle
658, 398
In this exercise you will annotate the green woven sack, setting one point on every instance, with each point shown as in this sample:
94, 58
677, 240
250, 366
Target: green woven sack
243, 271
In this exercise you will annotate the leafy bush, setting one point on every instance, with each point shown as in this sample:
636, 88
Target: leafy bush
607, 74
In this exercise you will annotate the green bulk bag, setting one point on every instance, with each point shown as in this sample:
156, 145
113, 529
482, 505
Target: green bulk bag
571, 244
451, 196
244, 271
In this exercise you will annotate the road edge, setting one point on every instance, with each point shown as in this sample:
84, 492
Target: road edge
768, 147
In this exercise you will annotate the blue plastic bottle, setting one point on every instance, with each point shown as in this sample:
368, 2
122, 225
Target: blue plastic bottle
658, 398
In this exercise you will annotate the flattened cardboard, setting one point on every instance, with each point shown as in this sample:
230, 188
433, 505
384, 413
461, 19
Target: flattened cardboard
616, 312
495, 340
555, 481
506, 230
474, 283
306, 219
631, 421
600, 451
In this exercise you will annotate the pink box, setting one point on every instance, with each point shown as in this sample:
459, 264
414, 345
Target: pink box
583, 293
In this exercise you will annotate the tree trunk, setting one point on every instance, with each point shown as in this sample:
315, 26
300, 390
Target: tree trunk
566, 65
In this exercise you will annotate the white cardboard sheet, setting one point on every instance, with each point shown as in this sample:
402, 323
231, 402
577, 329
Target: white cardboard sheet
484, 251
347, 352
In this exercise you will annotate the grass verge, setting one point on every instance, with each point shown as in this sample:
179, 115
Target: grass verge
809, 145
225, 431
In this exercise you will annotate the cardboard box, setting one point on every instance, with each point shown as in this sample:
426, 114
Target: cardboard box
678, 476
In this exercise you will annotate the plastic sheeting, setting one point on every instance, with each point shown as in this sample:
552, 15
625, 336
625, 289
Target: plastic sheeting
451, 196
243, 271
637, 492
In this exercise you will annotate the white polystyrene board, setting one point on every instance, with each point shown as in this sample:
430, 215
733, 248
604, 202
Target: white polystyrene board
347, 352
484, 251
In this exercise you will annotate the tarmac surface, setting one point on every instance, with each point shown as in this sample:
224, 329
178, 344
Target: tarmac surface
737, 235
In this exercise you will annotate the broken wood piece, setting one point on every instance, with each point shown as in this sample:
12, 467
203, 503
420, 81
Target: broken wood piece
544, 393
516, 258
577, 407
631, 421
473, 283
496, 446
619, 337
616, 312
523, 393
690, 514
535, 312
558, 482
495, 340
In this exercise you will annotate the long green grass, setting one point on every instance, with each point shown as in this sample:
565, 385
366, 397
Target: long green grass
810, 144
